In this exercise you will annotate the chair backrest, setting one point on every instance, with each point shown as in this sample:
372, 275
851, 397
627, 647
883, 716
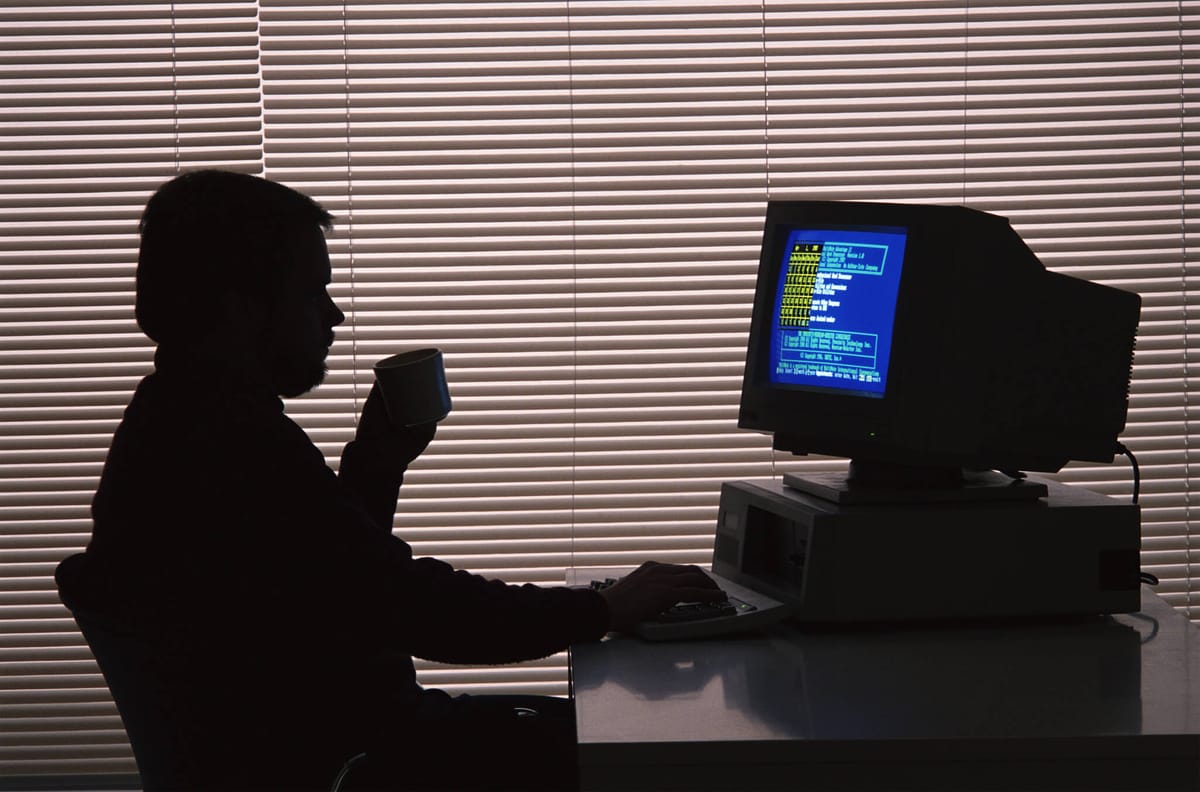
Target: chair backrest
197, 719
155, 711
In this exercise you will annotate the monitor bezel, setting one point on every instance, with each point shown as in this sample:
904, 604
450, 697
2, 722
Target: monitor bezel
854, 423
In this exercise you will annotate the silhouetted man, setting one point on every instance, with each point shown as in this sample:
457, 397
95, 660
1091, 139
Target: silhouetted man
280, 612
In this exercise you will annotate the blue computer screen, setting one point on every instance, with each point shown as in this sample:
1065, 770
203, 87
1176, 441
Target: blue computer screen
834, 309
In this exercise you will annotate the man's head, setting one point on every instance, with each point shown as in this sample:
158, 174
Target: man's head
229, 258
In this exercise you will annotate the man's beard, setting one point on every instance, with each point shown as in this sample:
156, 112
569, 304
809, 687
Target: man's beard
296, 379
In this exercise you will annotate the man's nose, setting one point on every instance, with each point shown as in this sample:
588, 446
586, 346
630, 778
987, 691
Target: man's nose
333, 313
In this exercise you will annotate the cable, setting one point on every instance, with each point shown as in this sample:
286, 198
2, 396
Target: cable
1151, 620
1137, 474
1148, 578
346, 768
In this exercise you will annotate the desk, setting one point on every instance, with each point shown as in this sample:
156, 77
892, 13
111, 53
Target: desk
1100, 703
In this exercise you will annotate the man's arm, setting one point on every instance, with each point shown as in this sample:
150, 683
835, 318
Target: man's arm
464, 618
373, 464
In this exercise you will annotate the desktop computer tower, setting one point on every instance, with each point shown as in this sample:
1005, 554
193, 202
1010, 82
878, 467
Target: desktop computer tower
1073, 552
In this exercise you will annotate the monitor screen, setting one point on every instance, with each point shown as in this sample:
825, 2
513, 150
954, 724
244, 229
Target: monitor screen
835, 305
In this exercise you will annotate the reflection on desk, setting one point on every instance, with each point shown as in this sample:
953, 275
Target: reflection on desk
1105, 700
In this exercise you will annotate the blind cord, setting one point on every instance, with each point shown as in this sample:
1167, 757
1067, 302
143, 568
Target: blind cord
174, 90
766, 68
354, 384
966, 93
1183, 252
574, 277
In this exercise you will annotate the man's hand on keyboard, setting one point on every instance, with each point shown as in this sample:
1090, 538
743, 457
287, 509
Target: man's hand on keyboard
652, 588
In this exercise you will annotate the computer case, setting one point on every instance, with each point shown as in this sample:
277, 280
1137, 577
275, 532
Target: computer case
1074, 552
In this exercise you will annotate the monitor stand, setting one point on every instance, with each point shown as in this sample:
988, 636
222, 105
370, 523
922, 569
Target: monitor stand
867, 483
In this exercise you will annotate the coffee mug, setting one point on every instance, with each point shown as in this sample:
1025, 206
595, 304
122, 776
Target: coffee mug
414, 387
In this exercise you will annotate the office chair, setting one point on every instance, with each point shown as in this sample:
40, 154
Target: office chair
178, 737
156, 714
180, 740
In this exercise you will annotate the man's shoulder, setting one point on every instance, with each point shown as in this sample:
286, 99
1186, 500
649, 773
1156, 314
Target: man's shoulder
167, 411
175, 442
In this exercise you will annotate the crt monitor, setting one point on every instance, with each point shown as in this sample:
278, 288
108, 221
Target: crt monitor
930, 339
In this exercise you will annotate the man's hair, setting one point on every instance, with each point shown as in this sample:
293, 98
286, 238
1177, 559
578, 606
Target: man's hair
210, 232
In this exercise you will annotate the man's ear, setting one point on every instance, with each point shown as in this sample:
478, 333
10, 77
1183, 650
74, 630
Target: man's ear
240, 334
244, 316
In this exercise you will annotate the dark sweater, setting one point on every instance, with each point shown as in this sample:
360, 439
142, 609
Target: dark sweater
294, 609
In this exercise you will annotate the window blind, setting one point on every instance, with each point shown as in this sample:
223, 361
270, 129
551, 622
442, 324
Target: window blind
99, 104
567, 198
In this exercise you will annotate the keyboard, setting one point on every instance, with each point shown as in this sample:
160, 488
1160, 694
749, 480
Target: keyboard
744, 610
